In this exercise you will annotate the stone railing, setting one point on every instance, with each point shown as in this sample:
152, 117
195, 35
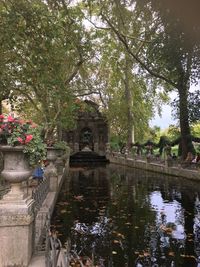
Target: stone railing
172, 167
169, 162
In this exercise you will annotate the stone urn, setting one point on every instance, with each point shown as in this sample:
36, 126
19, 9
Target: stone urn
52, 154
15, 170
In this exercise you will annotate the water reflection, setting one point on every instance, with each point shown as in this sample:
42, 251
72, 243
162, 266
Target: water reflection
128, 217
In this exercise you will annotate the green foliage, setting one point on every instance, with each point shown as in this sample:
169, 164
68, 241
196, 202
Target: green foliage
43, 49
193, 107
173, 132
195, 129
36, 148
61, 145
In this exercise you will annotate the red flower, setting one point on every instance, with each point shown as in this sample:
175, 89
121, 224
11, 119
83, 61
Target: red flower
20, 140
10, 119
29, 137
1, 117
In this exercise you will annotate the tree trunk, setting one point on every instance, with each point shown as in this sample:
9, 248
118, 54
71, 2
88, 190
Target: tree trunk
128, 97
186, 141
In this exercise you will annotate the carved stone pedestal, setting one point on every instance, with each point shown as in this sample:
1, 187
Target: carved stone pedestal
16, 230
16, 211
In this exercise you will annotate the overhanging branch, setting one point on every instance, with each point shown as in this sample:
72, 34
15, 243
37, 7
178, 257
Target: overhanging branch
142, 64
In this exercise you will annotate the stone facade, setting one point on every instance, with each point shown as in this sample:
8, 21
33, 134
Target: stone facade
91, 131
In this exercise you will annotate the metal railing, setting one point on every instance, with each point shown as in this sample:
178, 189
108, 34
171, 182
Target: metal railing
55, 255
40, 192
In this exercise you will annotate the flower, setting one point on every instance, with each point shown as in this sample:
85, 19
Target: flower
15, 132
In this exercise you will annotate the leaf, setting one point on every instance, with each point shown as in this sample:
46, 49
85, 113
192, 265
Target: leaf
63, 211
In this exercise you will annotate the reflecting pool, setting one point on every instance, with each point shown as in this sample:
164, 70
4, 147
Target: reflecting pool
121, 217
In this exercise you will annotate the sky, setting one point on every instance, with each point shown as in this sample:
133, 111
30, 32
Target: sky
166, 119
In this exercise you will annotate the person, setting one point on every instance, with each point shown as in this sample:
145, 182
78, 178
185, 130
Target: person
38, 174
197, 158
168, 150
174, 156
189, 160
189, 157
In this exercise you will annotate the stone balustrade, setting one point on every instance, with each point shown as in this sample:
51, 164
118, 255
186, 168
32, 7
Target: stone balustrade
171, 167
22, 220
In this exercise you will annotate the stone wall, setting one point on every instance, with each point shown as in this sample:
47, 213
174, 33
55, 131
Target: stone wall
155, 167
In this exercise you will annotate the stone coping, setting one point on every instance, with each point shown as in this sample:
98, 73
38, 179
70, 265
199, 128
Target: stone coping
156, 167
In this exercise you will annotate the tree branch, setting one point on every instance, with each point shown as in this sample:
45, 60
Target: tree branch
74, 72
142, 64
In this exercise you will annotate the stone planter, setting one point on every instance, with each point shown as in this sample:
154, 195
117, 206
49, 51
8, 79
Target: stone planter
52, 154
15, 170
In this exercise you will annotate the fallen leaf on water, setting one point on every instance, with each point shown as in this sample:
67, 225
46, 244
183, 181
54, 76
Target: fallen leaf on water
79, 198
171, 253
146, 254
63, 211
120, 235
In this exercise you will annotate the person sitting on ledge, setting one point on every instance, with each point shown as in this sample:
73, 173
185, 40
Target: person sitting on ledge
38, 174
189, 157
197, 158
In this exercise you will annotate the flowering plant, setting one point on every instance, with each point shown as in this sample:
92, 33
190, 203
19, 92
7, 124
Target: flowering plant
16, 132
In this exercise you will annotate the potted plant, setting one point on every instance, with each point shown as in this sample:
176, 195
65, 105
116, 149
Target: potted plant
15, 132
23, 149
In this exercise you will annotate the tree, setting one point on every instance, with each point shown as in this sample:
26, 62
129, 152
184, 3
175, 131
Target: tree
44, 48
128, 100
193, 107
161, 47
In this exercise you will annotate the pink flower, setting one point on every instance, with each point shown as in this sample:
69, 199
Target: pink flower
29, 137
1, 117
33, 125
10, 119
20, 140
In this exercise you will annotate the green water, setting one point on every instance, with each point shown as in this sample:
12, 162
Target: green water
127, 217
